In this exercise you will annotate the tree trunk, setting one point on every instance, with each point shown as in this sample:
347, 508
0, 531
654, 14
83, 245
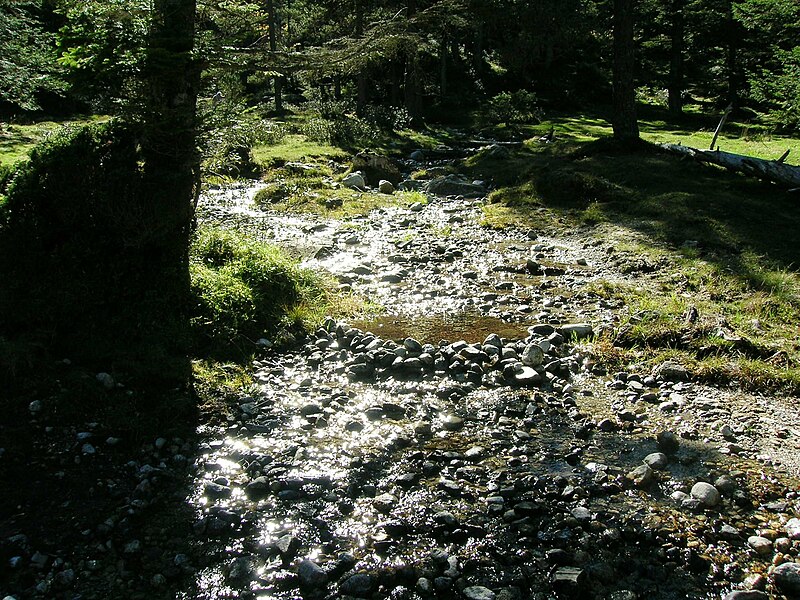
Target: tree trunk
624, 121
412, 84
732, 56
443, 66
477, 48
361, 79
277, 82
775, 171
171, 162
677, 33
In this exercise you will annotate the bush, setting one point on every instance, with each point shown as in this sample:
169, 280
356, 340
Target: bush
514, 107
83, 262
242, 290
347, 132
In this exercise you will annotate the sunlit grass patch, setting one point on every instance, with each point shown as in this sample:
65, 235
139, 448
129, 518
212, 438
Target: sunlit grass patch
294, 147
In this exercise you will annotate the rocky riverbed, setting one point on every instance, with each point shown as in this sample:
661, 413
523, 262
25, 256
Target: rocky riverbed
464, 444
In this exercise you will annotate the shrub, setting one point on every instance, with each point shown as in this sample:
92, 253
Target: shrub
347, 132
83, 262
242, 290
514, 107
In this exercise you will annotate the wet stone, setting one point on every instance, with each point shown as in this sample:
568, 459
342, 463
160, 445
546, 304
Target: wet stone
360, 585
786, 578
311, 575
761, 545
478, 592
568, 580
216, 491
258, 488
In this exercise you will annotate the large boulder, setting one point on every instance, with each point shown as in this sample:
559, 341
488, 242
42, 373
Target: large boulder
376, 167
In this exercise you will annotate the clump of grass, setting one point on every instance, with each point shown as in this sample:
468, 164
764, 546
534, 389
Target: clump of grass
218, 386
244, 290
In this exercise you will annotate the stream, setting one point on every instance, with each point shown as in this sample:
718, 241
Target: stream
463, 444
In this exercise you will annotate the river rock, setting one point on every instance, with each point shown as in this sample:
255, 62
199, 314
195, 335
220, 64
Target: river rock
354, 181
385, 187
761, 545
671, 371
360, 585
793, 528
706, 493
576, 330
532, 356
568, 580
385, 503
668, 442
454, 185
642, 476
786, 578
376, 167
478, 592
216, 491
311, 575
746, 595
257, 489
657, 461
453, 423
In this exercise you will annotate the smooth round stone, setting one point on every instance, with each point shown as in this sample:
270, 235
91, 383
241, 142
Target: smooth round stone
793, 528
532, 356
761, 545
360, 585
657, 461
706, 493
478, 592
642, 476
311, 575
453, 423
746, 595
668, 442
384, 503
786, 578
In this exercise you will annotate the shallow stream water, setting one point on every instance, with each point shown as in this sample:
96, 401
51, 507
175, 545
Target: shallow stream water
345, 476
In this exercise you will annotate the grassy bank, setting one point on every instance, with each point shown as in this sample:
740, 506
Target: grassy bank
720, 285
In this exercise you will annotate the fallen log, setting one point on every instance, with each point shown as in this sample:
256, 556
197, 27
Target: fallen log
775, 171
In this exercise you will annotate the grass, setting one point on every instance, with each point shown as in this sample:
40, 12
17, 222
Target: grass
17, 140
295, 148
317, 190
725, 244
